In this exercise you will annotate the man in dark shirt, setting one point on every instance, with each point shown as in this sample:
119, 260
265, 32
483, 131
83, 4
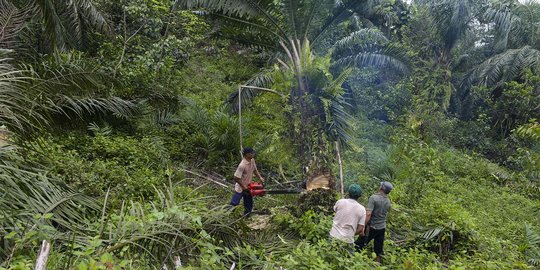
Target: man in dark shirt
376, 211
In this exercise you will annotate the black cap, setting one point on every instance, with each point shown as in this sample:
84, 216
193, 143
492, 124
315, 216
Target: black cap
248, 150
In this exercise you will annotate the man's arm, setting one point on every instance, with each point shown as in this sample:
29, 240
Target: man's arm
257, 172
369, 210
360, 230
237, 180
259, 175
368, 216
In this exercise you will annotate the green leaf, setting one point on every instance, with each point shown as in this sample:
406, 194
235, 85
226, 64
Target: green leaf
10, 235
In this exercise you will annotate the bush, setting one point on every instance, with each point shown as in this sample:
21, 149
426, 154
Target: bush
130, 167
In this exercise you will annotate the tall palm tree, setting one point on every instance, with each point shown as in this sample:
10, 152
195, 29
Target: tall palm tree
298, 32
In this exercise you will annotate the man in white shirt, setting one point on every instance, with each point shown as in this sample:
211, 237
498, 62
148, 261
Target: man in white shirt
243, 176
350, 216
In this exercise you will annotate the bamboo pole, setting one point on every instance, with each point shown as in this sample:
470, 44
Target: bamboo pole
240, 107
43, 256
340, 169
240, 117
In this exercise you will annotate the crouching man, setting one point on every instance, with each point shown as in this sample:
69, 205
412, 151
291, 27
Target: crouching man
350, 217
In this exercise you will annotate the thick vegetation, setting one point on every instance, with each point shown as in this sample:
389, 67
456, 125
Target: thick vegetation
121, 121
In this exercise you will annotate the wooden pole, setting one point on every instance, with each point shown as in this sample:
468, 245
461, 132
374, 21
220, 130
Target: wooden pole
340, 169
240, 117
43, 256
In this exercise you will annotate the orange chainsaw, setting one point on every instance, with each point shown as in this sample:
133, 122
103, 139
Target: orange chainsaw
257, 189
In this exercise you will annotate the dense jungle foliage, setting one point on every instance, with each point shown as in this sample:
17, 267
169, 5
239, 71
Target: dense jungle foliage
121, 124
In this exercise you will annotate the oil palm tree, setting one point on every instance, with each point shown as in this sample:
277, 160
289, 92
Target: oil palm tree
300, 34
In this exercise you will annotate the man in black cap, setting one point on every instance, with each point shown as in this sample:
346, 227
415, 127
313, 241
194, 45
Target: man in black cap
376, 212
243, 176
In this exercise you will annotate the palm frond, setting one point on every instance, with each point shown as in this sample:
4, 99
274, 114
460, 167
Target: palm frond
532, 237
30, 193
340, 127
503, 67
373, 55
100, 130
505, 21
360, 37
65, 22
52, 23
341, 79
12, 21
90, 14
431, 234
249, 32
291, 10
261, 79
67, 105
242, 8
164, 118
17, 109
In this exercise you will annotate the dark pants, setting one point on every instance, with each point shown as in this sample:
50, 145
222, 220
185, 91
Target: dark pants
377, 236
248, 201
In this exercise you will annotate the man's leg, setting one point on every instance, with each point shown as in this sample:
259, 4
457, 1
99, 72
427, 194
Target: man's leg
378, 243
248, 204
235, 200
363, 240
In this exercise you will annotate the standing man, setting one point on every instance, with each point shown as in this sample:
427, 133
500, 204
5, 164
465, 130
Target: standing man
377, 209
243, 176
350, 217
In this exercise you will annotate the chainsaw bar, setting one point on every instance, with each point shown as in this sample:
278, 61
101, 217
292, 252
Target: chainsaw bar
258, 189
283, 191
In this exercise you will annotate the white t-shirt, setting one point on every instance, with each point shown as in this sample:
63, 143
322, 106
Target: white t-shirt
245, 173
349, 214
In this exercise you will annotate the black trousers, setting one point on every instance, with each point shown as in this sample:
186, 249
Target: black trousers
378, 240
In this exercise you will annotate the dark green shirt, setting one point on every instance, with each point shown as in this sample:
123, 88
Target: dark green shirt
378, 204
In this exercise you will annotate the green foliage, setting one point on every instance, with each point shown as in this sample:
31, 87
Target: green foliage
517, 104
152, 92
533, 246
129, 167
153, 43
449, 228
310, 225
318, 200
35, 207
